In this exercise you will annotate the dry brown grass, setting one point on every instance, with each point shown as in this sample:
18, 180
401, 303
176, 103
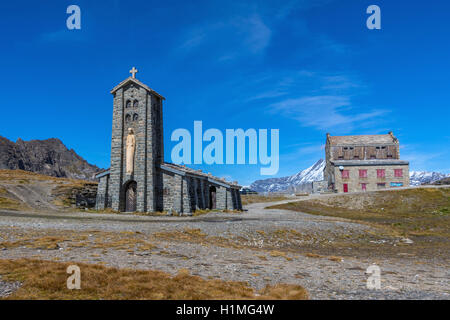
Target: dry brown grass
21, 176
256, 198
276, 253
47, 280
55, 239
285, 292
313, 255
12, 204
335, 258
187, 234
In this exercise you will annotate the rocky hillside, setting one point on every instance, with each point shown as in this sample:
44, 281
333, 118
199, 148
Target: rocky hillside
24, 190
298, 182
49, 157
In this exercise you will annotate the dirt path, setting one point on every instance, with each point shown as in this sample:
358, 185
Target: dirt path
260, 246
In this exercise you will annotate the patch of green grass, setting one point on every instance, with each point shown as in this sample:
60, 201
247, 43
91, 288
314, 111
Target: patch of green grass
410, 212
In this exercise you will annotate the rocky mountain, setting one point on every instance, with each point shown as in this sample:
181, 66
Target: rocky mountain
298, 182
417, 178
49, 157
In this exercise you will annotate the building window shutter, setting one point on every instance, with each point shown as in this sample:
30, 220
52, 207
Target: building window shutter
380, 173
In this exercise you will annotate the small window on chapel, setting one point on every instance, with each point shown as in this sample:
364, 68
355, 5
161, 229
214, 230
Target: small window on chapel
135, 117
128, 118
135, 104
128, 104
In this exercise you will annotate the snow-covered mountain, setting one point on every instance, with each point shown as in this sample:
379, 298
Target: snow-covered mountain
298, 182
417, 178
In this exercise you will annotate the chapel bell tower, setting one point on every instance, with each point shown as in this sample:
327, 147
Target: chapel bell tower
136, 146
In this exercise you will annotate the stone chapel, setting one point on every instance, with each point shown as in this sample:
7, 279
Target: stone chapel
139, 179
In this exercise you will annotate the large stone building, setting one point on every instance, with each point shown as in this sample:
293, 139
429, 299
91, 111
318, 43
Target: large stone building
139, 179
364, 163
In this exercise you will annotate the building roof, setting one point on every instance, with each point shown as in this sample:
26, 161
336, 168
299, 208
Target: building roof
101, 173
362, 139
136, 81
374, 162
199, 173
182, 170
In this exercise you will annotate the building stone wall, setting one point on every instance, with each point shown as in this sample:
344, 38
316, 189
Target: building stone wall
319, 186
221, 198
102, 193
229, 201
372, 182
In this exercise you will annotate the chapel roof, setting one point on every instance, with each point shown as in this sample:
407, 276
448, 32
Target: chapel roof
183, 169
199, 173
137, 82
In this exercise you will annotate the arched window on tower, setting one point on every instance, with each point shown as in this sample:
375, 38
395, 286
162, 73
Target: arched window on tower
135, 117
135, 104
128, 104
128, 118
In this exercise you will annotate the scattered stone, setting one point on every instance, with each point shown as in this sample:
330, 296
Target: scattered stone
407, 241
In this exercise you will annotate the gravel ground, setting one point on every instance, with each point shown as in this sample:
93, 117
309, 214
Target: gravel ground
402, 276
6, 288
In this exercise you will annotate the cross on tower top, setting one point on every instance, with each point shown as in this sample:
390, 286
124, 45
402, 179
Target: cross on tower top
133, 72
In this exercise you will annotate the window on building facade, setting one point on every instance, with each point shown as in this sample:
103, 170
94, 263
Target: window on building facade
128, 104
398, 173
363, 173
381, 185
345, 174
135, 104
363, 186
381, 173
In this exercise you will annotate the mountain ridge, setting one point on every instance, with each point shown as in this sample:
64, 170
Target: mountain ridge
49, 157
300, 181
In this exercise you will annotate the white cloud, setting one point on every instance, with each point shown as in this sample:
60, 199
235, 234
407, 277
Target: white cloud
324, 112
229, 39
419, 160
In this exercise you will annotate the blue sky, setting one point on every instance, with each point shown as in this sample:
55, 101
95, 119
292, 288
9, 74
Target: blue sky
304, 67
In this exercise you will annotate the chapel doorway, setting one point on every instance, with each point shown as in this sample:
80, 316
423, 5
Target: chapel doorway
130, 197
212, 197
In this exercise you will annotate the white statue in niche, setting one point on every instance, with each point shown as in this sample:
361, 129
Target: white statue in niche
131, 146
